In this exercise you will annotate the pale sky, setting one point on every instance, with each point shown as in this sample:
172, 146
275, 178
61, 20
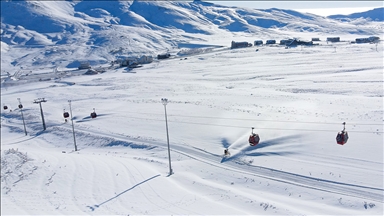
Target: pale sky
322, 8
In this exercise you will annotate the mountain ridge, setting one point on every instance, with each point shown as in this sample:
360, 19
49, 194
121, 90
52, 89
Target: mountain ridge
376, 14
94, 29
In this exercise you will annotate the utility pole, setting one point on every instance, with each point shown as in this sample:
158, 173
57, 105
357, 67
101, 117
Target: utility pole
165, 101
39, 101
73, 127
22, 116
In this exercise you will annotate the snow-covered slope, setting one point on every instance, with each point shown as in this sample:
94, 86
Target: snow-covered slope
64, 33
376, 14
296, 98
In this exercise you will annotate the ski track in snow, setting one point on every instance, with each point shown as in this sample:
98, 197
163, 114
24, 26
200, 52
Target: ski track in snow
236, 164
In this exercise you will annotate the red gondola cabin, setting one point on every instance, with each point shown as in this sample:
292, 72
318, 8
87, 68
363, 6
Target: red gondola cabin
254, 139
342, 136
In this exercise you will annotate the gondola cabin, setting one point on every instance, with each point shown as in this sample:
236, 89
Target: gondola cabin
20, 106
93, 114
342, 136
65, 114
5, 107
254, 139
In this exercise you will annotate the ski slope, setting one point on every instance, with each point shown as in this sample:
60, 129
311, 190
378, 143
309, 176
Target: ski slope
297, 100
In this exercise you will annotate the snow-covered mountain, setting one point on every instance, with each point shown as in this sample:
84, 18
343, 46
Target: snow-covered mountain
376, 14
64, 33
142, 156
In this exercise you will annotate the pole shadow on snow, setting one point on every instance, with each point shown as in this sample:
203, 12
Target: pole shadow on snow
33, 137
252, 150
97, 206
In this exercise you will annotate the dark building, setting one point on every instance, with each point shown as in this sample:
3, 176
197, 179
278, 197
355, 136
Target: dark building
285, 42
240, 44
333, 39
163, 56
372, 39
258, 42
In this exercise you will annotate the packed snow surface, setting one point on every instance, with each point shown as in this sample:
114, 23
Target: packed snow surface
142, 157
295, 98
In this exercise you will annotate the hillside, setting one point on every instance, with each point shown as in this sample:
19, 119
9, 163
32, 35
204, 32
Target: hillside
296, 99
376, 14
38, 34
103, 141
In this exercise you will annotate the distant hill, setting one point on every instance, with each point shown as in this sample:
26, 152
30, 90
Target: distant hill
63, 33
376, 14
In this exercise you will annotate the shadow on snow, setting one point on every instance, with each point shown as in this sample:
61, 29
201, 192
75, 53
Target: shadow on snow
88, 118
252, 150
97, 206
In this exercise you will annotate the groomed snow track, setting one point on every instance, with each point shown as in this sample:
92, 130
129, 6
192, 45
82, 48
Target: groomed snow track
236, 165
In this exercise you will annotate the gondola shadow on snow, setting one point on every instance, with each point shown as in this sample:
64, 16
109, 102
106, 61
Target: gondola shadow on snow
89, 118
253, 150
225, 143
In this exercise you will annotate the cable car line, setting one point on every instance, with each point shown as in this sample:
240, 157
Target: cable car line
231, 126
271, 120
272, 128
250, 119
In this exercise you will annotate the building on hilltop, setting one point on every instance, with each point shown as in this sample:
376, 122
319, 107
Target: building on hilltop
286, 41
145, 59
258, 42
296, 42
372, 39
240, 44
333, 39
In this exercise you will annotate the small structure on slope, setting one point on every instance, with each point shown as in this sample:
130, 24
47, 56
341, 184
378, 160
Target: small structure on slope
258, 42
333, 39
372, 39
240, 44
84, 65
